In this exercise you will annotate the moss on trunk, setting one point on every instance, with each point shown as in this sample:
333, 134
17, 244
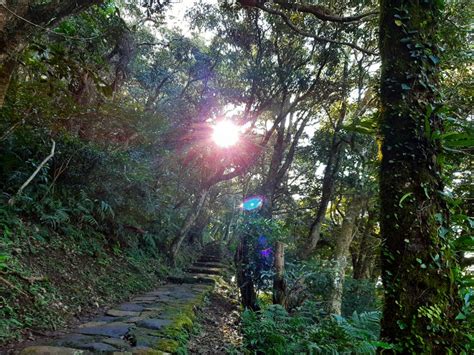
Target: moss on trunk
420, 297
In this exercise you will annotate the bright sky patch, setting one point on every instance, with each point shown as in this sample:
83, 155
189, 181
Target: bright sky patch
226, 134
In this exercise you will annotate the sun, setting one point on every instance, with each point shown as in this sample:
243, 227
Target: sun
226, 134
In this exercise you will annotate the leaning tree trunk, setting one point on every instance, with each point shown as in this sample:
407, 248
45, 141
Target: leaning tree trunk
341, 253
329, 181
420, 293
188, 223
19, 20
196, 232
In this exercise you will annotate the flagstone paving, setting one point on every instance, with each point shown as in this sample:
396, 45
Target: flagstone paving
154, 323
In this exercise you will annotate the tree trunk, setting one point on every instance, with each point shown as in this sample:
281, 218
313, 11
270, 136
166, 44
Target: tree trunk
16, 27
329, 178
226, 237
153, 97
244, 275
364, 256
341, 253
271, 181
187, 224
279, 282
364, 266
420, 294
196, 232
330, 172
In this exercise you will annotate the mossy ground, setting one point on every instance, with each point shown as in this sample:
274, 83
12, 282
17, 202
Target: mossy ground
177, 335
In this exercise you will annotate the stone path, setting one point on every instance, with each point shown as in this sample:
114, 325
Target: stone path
156, 322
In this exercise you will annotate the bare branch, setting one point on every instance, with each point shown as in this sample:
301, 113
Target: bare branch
27, 182
9, 131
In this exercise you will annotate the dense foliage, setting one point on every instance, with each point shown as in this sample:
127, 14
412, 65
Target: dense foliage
274, 331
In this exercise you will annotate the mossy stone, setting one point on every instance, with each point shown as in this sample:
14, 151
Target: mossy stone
168, 345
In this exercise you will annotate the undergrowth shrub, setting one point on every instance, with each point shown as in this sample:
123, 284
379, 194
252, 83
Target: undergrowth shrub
359, 296
310, 331
313, 281
91, 228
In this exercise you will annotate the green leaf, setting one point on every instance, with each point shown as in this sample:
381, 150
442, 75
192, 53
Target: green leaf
404, 197
398, 22
465, 243
406, 87
443, 231
460, 316
382, 344
467, 281
434, 59
470, 221
401, 325
458, 140
429, 111
366, 126
441, 4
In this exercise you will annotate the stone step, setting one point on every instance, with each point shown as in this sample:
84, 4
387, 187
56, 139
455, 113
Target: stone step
192, 279
209, 264
205, 270
207, 258
53, 350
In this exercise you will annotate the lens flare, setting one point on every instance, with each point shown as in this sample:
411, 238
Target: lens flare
252, 203
266, 252
226, 134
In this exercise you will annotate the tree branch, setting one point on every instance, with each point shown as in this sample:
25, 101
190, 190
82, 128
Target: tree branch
291, 153
323, 13
292, 26
27, 182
